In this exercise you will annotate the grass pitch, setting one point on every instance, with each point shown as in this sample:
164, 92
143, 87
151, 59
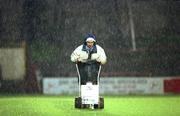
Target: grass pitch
34, 105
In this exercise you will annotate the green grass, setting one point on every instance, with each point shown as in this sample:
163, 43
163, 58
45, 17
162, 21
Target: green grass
35, 105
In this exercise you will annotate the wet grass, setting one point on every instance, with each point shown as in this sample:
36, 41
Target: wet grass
39, 105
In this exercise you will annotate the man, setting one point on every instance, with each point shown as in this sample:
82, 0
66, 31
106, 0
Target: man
89, 51
89, 56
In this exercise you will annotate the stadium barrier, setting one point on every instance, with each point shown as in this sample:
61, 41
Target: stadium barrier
114, 85
172, 85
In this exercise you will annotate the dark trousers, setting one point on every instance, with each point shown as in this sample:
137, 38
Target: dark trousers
88, 72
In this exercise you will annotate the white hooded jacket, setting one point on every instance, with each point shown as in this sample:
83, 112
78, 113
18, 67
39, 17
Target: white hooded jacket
82, 56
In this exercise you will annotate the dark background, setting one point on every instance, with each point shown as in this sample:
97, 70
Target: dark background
52, 29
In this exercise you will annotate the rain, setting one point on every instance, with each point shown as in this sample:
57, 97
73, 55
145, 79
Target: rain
39, 76
140, 38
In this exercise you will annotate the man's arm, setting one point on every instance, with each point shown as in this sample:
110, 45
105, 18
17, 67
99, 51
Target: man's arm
75, 55
102, 56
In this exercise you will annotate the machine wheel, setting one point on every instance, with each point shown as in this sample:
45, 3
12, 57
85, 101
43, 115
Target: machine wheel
78, 102
101, 103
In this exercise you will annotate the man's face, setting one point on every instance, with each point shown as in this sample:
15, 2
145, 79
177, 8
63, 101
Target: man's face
90, 44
